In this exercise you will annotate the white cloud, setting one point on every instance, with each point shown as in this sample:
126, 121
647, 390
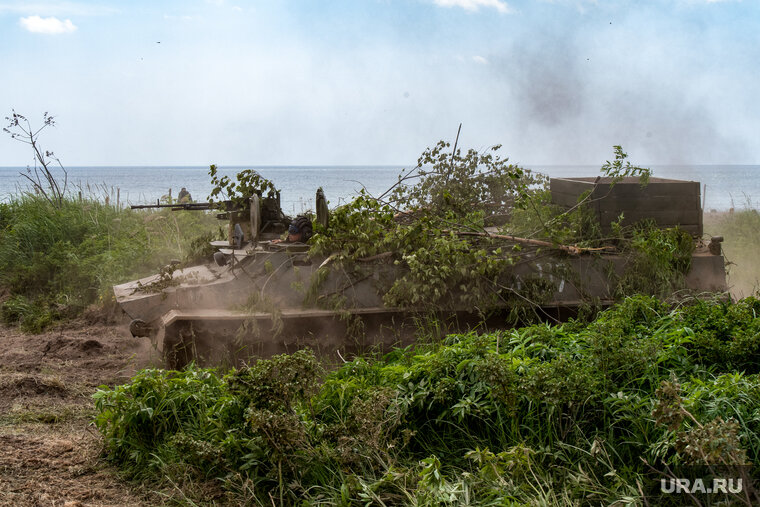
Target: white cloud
474, 5
479, 59
51, 25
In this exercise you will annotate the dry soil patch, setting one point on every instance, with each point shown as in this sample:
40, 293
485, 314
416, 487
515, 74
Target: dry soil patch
49, 452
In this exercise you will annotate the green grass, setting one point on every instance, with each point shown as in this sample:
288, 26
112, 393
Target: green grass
542, 415
54, 261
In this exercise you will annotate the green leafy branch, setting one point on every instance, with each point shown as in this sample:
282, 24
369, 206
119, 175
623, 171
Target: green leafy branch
247, 183
621, 168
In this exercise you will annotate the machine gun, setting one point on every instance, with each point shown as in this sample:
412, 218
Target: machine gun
189, 206
230, 211
249, 219
256, 218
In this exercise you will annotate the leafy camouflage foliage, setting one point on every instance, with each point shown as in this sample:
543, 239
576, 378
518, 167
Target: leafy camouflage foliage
433, 225
238, 190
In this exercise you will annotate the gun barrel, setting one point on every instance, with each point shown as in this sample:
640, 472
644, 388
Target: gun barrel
180, 206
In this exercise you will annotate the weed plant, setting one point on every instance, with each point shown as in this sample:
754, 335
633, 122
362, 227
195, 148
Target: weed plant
569, 414
57, 260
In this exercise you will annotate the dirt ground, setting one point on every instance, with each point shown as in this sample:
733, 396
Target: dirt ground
50, 454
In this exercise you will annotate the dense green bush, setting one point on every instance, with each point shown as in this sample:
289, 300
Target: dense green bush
543, 414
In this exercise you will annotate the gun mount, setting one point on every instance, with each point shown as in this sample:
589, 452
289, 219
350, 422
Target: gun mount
249, 220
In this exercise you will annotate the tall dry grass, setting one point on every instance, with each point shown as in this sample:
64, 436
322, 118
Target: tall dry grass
741, 247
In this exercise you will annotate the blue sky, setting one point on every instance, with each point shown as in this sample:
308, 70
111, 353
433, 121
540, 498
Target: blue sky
376, 81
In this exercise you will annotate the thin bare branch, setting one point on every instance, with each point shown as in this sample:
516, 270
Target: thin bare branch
51, 190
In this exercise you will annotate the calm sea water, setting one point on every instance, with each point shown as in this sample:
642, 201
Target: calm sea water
727, 186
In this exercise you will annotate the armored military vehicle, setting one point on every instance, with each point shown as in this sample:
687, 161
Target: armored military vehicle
261, 296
